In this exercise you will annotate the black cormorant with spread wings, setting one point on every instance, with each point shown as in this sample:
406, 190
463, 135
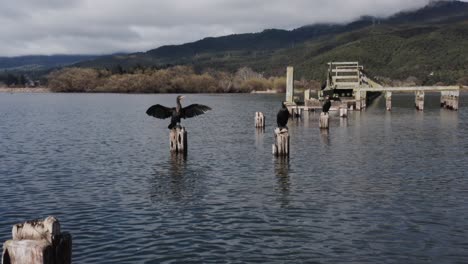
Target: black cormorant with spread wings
282, 116
178, 112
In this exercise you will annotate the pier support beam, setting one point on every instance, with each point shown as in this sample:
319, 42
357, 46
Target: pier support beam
419, 100
281, 146
290, 84
259, 120
388, 101
178, 140
357, 98
363, 100
324, 120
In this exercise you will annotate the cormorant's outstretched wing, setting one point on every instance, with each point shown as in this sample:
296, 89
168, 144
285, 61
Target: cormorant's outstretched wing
194, 110
160, 111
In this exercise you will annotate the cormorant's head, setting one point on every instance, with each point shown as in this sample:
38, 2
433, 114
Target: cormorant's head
180, 97
283, 105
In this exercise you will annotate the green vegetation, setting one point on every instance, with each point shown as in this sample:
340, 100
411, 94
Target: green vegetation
178, 79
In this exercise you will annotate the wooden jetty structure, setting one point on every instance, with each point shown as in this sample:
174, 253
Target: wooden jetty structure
349, 87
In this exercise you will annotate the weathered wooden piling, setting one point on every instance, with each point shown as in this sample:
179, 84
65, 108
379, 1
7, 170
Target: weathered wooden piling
290, 84
388, 100
259, 120
324, 120
178, 140
281, 146
419, 100
450, 99
38, 242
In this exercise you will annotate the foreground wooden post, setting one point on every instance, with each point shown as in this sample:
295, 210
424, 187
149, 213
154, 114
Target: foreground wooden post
419, 100
259, 120
281, 146
178, 140
388, 101
324, 120
38, 242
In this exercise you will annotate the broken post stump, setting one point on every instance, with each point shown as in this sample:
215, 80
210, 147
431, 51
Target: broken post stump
259, 120
38, 242
281, 146
178, 140
324, 120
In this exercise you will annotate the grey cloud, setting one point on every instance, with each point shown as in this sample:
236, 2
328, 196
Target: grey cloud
107, 26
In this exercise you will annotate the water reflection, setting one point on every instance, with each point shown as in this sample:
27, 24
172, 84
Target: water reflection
169, 181
259, 136
324, 136
449, 118
343, 122
283, 181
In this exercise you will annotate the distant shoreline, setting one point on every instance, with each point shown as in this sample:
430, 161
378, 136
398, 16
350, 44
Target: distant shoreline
47, 90
24, 90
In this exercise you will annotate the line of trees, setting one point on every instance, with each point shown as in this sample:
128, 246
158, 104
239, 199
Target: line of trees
177, 79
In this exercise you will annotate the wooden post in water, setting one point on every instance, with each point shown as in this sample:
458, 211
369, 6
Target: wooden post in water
290, 84
178, 140
324, 120
259, 120
443, 99
451, 100
388, 101
357, 99
38, 242
281, 146
419, 100
363, 100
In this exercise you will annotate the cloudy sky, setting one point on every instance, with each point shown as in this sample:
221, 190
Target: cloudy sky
108, 26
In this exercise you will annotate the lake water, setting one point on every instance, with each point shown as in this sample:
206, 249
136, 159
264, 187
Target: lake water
380, 187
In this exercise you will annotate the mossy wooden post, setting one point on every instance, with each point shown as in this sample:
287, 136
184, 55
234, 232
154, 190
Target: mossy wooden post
178, 140
324, 120
38, 242
281, 146
259, 120
388, 101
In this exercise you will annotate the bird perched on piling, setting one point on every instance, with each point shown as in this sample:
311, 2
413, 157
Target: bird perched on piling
282, 116
326, 106
178, 112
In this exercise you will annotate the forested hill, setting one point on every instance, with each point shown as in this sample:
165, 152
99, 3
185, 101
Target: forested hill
432, 41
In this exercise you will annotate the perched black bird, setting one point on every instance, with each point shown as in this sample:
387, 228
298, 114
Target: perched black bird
282, 116
178, 112
326, 106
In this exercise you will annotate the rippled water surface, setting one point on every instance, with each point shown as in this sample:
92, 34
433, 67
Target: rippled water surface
380, 187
